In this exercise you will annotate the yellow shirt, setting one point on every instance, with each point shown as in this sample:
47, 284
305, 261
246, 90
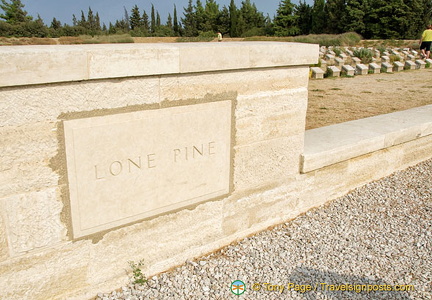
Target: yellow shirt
427, 35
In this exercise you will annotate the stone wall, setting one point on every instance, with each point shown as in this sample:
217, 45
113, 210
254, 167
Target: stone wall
44, 88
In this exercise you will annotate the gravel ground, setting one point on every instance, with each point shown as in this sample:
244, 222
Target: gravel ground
378, 236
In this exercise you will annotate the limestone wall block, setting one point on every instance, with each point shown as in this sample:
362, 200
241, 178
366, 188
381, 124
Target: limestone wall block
267, 162
51, 273
4, 248
242, 82
33, 220
45, 103
24, 158
270, 115
164, 239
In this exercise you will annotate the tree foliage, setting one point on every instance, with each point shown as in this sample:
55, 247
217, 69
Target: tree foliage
377, 19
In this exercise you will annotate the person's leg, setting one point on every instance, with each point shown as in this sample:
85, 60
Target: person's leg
422, 50
427, 49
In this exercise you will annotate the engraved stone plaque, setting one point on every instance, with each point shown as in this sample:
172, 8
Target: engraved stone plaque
126, 167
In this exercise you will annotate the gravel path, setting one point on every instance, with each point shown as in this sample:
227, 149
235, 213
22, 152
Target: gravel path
379, 236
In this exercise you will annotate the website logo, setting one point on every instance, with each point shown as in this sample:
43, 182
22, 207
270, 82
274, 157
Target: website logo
238, 287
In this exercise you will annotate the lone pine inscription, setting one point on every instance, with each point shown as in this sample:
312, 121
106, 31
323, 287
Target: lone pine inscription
126, 167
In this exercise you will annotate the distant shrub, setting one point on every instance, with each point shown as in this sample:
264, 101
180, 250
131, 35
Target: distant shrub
394, 58
381, 49
337, 51
365, 55
254, 32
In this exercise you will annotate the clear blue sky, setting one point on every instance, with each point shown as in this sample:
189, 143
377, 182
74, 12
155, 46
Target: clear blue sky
112, 10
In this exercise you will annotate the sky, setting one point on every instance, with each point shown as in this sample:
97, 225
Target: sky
112, 10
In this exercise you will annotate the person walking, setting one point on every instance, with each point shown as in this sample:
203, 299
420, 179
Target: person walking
426, 42
219, 36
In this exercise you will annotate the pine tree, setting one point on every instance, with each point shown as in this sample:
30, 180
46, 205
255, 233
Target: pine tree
83, 21
97, 22
55, 24
335, 11
91, 22
251, 19
135, 18
169, 23
14, 12
285, 21
223, 21
189, 21
233, 13
199, 16
211, 12
303, 12
318, 24
354, 17
145, 21
386, 19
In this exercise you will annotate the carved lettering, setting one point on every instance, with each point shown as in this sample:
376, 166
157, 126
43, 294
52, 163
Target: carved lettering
194, 152
211, 148
132, 163
116, 168
195, 149
97, 173
151, 161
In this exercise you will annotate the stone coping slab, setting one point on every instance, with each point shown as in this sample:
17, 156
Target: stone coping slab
23, 65
335, 143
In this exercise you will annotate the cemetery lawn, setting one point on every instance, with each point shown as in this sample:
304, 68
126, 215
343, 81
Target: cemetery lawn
337, 100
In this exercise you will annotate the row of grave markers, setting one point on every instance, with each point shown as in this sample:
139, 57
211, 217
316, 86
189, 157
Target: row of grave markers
347, 64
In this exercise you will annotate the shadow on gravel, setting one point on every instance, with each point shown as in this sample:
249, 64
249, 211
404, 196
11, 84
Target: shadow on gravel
332, 285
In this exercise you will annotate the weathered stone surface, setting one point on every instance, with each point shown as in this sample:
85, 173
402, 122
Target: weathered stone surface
380, 132
334, 71
274, 162
45, 64
361, 69
420, 64
398, 66
348, 70
4, 249
386, 67
278, 114
164, 162
40, 261
410, 65
33, 220
317, 73
374, 68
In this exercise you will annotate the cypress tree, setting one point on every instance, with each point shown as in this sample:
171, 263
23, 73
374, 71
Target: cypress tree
233, 13
153, 20
175, 21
